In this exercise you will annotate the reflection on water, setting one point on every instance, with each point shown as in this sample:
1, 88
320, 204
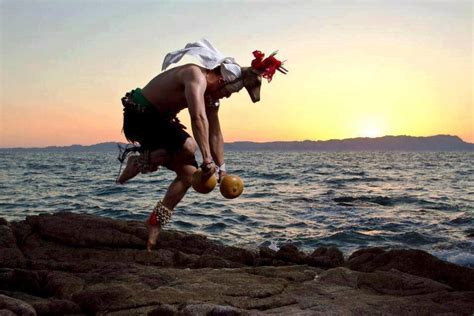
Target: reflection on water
350, 200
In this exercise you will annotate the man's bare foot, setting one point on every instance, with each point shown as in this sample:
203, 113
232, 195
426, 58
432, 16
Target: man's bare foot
131, 170
153, 232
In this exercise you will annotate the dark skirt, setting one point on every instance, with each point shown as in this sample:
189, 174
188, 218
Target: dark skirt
145, 125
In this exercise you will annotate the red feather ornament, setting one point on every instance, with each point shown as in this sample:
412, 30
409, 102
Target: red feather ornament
267, 67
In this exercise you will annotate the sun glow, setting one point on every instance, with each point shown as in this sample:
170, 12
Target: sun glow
371, 128
372, 132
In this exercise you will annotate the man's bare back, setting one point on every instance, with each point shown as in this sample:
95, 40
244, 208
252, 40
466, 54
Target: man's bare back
167, 90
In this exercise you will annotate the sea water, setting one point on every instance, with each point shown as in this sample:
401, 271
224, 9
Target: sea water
351, 200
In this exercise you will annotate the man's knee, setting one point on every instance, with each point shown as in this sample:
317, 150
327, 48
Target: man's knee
186, 154
185, 174
186, 180
189, 147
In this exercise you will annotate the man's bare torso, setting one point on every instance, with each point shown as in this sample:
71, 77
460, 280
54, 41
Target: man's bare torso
166, 91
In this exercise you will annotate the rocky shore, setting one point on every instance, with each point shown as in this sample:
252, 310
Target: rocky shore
82, 264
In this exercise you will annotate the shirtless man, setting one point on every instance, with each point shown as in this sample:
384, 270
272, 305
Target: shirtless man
150, 120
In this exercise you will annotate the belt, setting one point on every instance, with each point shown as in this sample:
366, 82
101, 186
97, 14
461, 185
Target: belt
129, 104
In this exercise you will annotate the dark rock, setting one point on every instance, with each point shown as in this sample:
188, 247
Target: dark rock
85, 264
156, 280
326, 258
243, 256
102, 298
278, 263
419, 295
287, 272
3, 221
63, 285
182, 259
16, 306
55, 307
31, 282
360, 257
266, 257
164, 310
215, 262
367, 252
80, 230
7, 239
210, 310
193, 244
339, 276
266, 252
165, 257
394, 282
171, 236
12, 257
290, 253
22, 232
264, 262
415, 262
10, 254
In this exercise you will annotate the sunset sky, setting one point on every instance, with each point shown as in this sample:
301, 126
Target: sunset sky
357, 68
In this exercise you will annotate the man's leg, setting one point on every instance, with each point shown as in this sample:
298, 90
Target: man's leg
158, 157
183, 165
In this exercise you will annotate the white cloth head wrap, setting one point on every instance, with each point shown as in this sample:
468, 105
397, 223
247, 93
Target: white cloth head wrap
209, 57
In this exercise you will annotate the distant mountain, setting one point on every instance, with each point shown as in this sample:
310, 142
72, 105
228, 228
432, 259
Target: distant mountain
108, 146
386, 143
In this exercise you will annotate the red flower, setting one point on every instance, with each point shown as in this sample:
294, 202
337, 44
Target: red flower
267, 66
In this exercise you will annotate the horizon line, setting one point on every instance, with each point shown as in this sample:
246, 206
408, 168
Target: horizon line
250, 141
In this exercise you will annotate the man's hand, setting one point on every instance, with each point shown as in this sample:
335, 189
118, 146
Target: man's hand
208, 169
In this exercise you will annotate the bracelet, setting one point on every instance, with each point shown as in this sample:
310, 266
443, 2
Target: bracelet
222, 167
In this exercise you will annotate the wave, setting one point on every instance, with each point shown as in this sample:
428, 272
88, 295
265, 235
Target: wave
396, 226
460, 258
381, 200
352, 180
459, 252
39, 166
353, 237
470, 233
462, 219
242, 218
215, 227
392, 201
184, 225
272, 176
111, 190
298, 225
416, 239
258, 195
202, 215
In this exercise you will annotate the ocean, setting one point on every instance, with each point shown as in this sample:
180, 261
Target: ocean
351, 200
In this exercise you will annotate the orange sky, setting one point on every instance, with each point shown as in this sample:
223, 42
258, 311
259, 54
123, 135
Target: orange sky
356, 68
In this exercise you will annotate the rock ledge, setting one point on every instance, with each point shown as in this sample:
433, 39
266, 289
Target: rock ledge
69, 263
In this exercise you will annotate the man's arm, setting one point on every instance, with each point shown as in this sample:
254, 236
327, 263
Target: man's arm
216, 139
195, 86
